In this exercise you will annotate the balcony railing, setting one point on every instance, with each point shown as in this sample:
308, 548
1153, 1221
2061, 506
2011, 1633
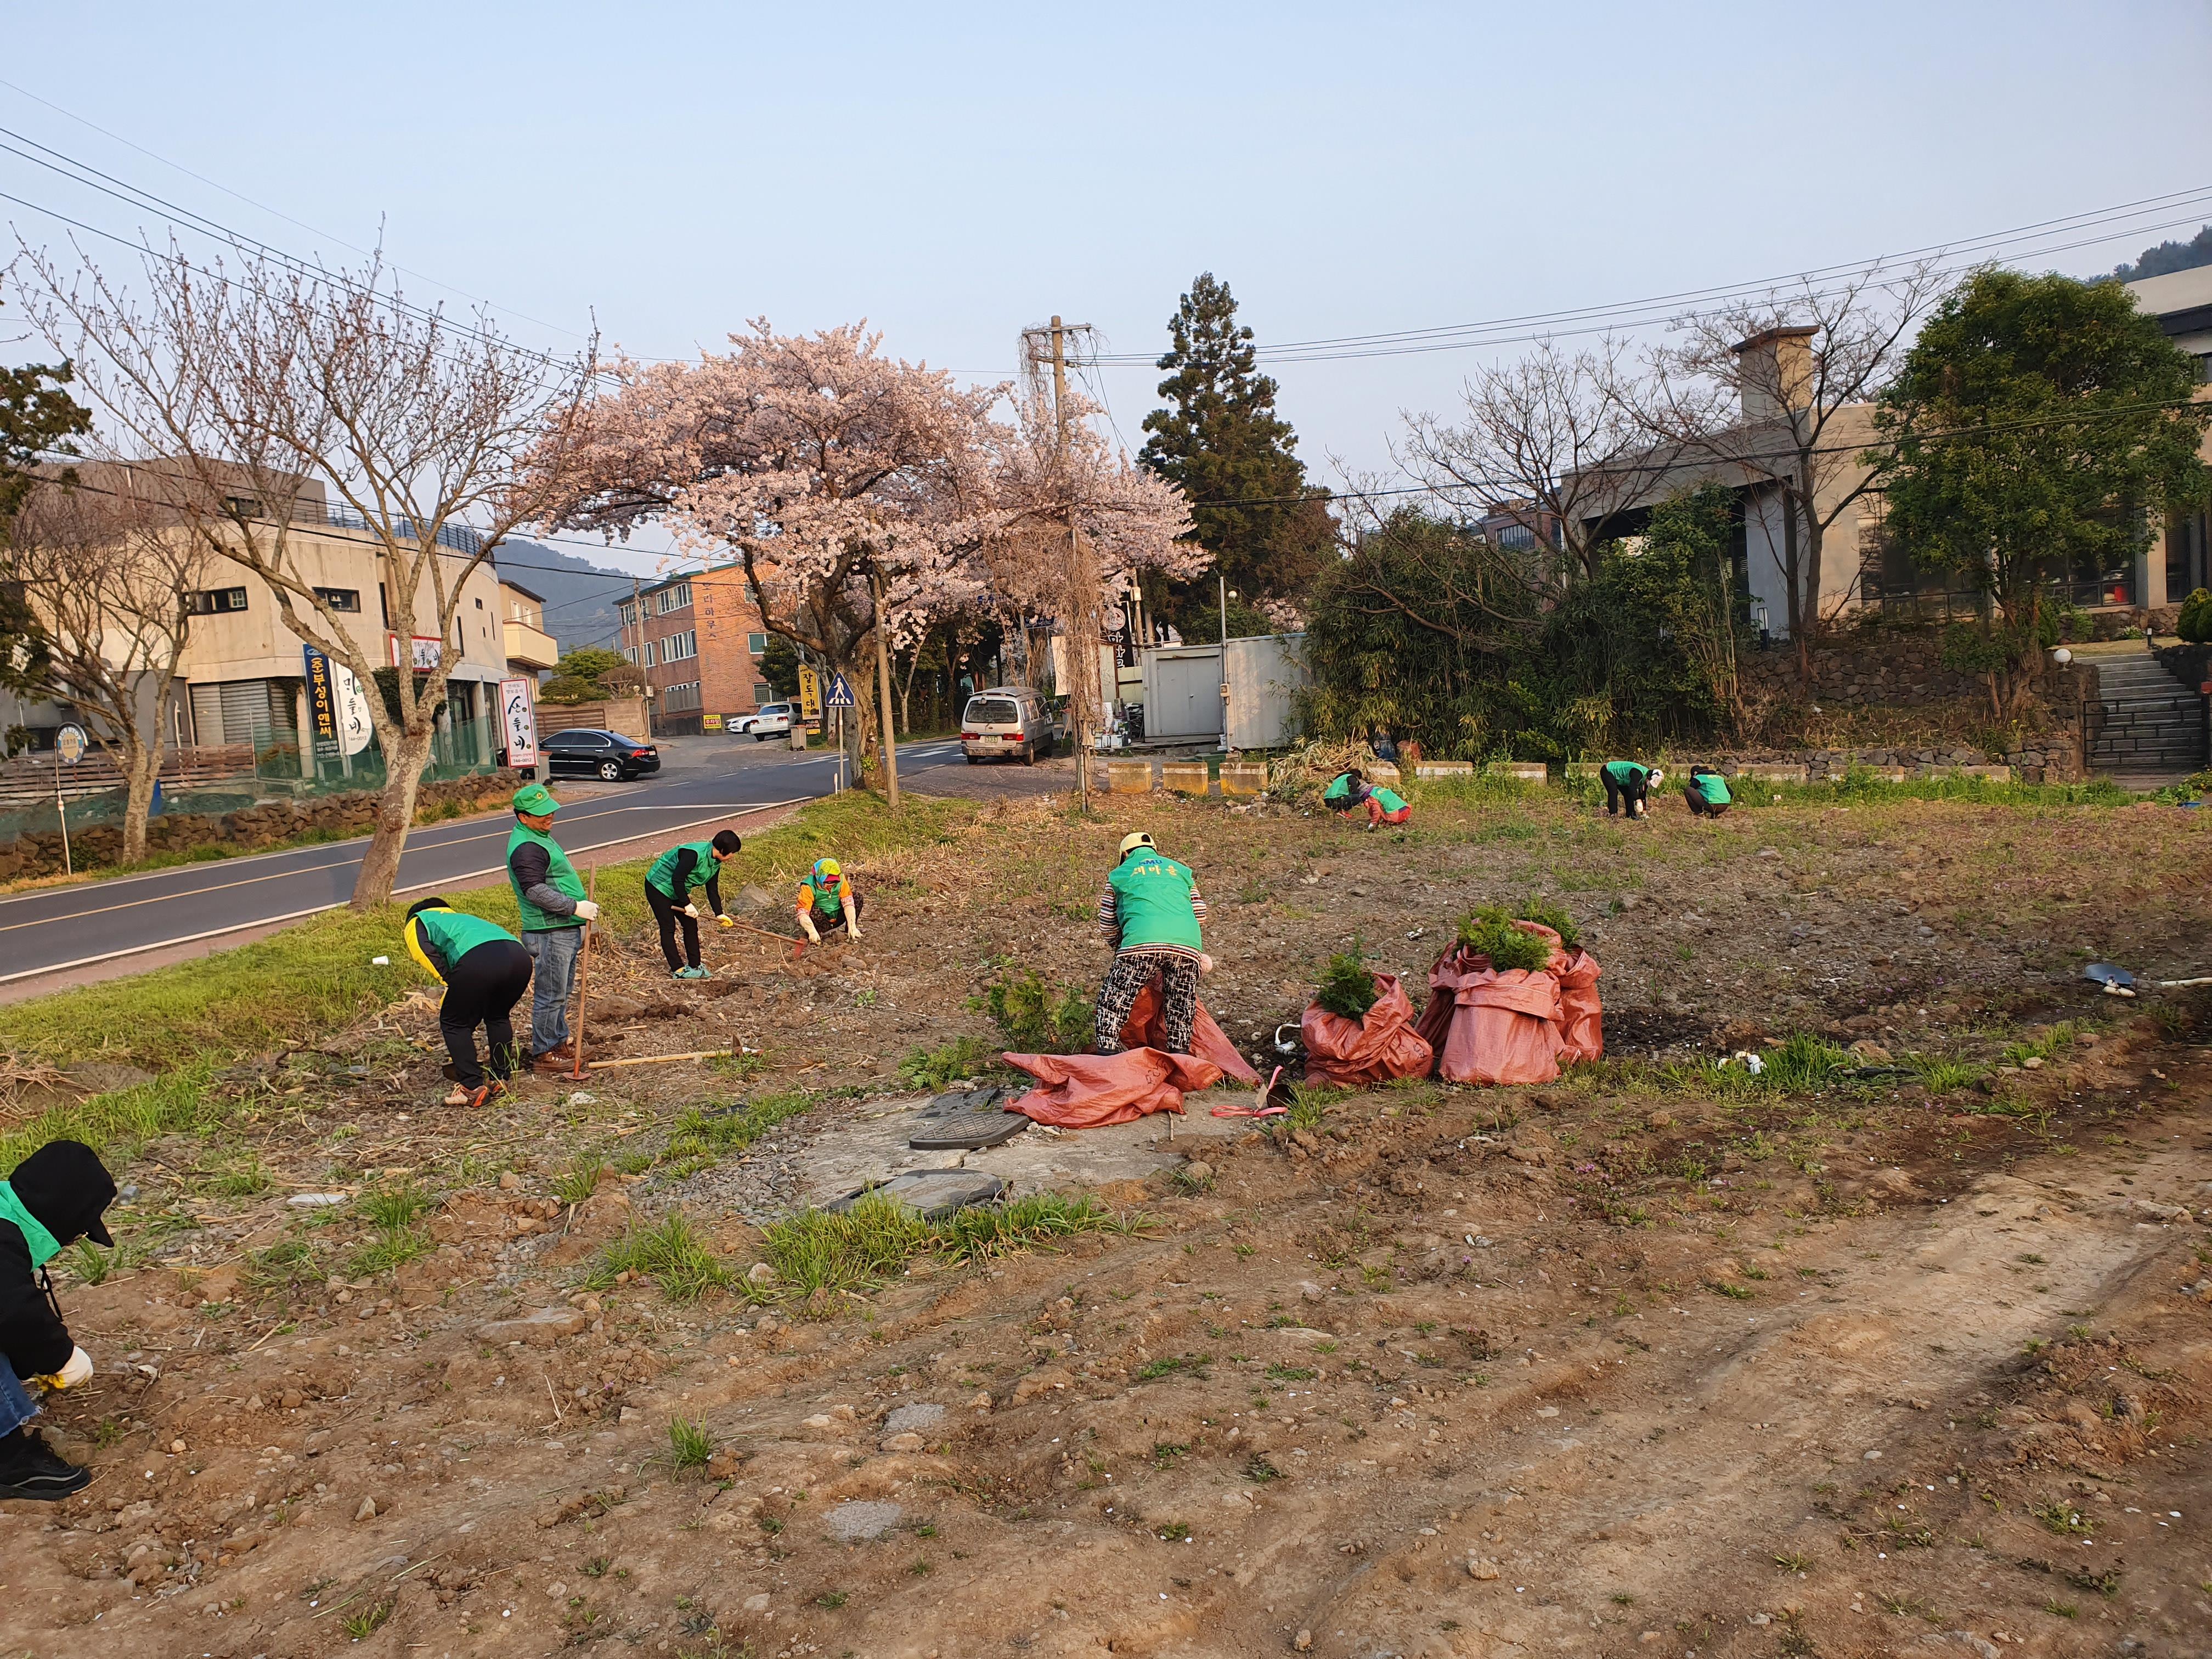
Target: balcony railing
338, 516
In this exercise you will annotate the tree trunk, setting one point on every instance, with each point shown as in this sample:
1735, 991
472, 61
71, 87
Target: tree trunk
395, 813
142, 765
887, 735
1791, 574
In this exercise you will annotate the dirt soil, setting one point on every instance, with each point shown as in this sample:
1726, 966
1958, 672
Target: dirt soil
1654, 1361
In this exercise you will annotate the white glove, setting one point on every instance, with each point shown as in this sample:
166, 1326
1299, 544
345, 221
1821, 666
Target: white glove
76, 1370
1205, 963
807, 922
853, 927
586, 908
725, 921
692, 911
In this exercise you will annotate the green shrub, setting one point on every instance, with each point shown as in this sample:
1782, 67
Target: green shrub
1348, 987
937, 1068
1038, 1018
2194, 622
1489, 931
1545, 914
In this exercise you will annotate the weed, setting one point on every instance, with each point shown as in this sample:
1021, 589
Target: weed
581, 1180
395, 1208
670, 1253
831, 1599
1192, 1364
1623, 1598
2106, 1583
703, 1135
938, 1068
2063, 1518
391, 1247
2060, 1609
597, 1567
1037, 1018
240, 1180
1174, 1532
1795, 1561
923, 1567
367, 1622
1289, 1374
1261, 1470
1942, 1077
1721, 1288
2043, 1046
689, 1445
1166, 1453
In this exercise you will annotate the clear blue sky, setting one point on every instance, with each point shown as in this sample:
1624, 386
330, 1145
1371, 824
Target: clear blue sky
953, 173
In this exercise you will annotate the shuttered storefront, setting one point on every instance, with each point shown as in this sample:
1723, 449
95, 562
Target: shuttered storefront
259, 712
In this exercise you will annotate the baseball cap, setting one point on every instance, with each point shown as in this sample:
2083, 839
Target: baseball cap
536, 799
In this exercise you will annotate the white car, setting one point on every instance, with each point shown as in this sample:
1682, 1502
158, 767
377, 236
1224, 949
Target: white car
771, 720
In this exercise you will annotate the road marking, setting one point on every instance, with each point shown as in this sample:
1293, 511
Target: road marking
489, 831
339, 904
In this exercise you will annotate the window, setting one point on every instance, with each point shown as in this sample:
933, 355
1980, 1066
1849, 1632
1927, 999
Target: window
479, 605
673, 599
383, 605
681, 697
214, 601
629, 655
762, 694
755, 643
680, 647
645, 657
242, 507
628, 611
340, 598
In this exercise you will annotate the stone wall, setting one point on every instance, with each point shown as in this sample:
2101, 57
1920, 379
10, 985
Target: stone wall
262, 825
1883, 663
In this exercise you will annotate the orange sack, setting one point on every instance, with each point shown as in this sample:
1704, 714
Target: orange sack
1146, 1028
1352, 1053
1582, 1020
1086, 1091
1489, 1027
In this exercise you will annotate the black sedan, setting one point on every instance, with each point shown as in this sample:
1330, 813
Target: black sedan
597, 754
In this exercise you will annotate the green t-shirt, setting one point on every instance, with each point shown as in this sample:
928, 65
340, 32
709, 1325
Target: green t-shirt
1152, 901
1712, 787
560, 875
662, 876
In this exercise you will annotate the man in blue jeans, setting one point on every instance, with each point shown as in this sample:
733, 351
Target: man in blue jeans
54, 1196
549, 896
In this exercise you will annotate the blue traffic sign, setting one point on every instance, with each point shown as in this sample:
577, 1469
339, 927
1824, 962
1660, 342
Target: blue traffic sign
841, 694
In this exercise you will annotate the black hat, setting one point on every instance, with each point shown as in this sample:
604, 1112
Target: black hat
66, 1186
421, 905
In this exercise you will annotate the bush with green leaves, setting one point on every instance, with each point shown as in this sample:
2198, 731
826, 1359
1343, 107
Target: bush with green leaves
2195, 622
1347, 987
1488, 931
1037, 1018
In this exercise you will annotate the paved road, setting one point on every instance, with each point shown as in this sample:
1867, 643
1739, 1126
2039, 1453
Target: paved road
702, 781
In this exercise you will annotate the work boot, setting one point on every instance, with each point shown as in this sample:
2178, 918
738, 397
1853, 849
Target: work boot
553, 1063
692, 973
31, 1469
564, 1049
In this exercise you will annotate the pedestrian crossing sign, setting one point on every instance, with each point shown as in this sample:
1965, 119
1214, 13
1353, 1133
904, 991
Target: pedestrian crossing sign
841, 693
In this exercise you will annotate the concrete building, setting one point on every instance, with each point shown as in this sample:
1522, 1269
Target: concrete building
530, 650
699, 638
2182, 301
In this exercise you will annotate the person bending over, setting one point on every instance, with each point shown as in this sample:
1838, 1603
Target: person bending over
668, 887
54, 1196
1707, 792
1629, 786
1152, 912
827, 901
485, 971
1349, 792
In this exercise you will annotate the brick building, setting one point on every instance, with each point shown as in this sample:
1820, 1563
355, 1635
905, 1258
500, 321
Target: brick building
698, 639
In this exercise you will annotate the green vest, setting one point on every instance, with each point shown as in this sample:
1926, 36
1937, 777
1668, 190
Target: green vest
662, 876
1339, 791
1152, 901
455, 932
45, 1247
1625, 773
1391, 799
1713, 787
559, 873
823, 889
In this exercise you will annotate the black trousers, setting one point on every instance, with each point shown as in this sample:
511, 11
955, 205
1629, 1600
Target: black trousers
1699, 806
486, 982
1617, 795
667, 912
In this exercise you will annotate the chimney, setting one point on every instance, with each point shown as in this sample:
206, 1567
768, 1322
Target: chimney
1775, 372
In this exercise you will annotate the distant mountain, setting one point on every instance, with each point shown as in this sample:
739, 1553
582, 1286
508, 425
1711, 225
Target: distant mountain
2169, 257
580, 596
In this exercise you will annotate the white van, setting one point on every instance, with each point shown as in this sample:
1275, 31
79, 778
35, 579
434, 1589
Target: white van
1004, 722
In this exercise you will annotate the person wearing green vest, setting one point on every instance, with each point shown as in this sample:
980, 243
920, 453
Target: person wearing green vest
668, 885
1152, 912
54, 1196
485, 970
1629, 784
549, 895
1707, 792
828, 902
1350, 791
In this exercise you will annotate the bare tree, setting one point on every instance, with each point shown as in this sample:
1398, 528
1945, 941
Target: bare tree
108, 571
257, 386
1557, 442
1776, 393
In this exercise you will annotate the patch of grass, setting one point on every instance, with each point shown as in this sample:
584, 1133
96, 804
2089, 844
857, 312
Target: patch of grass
820, 1251
1795, 1561
1187, 1364
670, 1253
396, 1206
1943, 1077
2062, 1517
239, 1179
1260, 1471
121, 1121
2059, 1609
1036, 1016
1174, 1532
704, 1135
938, 1068
389, 1247
581, 1180
365, 1623
690, 1445
1289, 1374
287, 1265
831, 1599
2042, 1046
1310, 1104
1028, 1222
1721, 1288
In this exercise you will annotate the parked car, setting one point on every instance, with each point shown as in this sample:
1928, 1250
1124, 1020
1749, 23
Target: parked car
771, 719
593, 753
1005, 722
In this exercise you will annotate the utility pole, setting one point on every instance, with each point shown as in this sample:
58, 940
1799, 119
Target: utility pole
883, 686
637, 621
1076, 624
